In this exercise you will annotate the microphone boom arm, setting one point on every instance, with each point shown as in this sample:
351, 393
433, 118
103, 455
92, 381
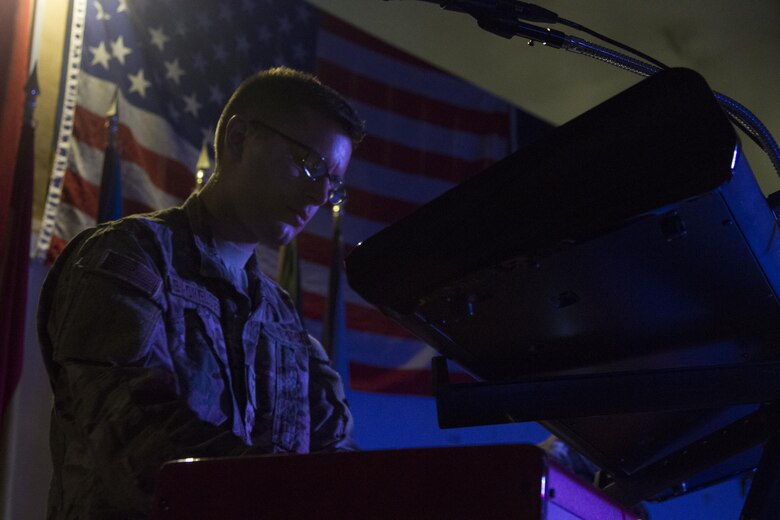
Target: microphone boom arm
501, 17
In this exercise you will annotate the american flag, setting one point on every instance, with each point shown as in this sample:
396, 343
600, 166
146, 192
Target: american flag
172, 65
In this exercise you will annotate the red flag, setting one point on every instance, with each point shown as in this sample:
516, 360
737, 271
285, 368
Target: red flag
15, 21
13, 286
15, 207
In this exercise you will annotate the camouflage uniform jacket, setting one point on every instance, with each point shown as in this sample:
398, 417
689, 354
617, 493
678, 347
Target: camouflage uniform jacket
155, 354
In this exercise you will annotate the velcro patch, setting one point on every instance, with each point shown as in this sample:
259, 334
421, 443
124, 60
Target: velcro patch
131, 271
286, 335
193, 293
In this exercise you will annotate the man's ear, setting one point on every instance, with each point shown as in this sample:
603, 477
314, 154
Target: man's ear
235, 134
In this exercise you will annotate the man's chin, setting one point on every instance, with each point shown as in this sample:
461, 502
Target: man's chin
283, 236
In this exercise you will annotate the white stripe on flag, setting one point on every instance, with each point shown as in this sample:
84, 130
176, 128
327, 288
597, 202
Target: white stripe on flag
150, 130
429, 82
136, 184
378, 178
430, 137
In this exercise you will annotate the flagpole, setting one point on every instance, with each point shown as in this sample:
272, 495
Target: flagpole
289, 274
110, 203
334, 277
333, 323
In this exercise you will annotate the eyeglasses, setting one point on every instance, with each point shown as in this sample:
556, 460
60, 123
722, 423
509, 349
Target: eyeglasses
313, 165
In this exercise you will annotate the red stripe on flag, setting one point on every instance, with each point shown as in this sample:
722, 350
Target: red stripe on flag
354, 35
369, 319
418, 161
364, 319
369, 378
376, 207
90, 128
133, 207
423, 137
314, 248
167, 174
56, 246
80, 193
85, 196
410, 104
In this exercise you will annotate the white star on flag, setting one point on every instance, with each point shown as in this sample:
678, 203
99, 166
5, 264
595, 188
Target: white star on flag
101, 14
263, 35
299, 53
138, 83
204, 22
219, 52
284, 25
217, 96
119, 50
208, 134
199, 62
191, 105
100, 55
225, 12
173, 71
159, 39
173, 111
181, 28
304, 14
242, 45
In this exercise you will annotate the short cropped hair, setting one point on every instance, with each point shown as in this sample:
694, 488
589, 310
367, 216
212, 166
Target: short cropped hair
277, 92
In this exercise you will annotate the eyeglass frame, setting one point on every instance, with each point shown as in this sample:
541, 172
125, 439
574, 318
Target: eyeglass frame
337, 193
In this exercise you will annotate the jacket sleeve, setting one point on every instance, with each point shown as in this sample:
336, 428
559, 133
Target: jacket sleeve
331, 419
111, 371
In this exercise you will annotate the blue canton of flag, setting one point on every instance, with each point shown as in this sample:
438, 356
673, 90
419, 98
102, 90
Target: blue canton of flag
182, 59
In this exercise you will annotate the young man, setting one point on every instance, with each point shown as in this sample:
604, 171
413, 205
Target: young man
163, 339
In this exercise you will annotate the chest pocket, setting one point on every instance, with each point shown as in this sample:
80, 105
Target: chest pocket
281, 387
198, 351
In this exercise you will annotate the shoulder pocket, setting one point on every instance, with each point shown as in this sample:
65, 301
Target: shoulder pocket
107, 323
128, 270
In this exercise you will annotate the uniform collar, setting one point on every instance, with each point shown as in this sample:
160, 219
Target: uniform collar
210, 263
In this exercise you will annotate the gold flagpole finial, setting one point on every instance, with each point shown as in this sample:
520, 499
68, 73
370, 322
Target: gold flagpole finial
32, 89
202, 168
112, 118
